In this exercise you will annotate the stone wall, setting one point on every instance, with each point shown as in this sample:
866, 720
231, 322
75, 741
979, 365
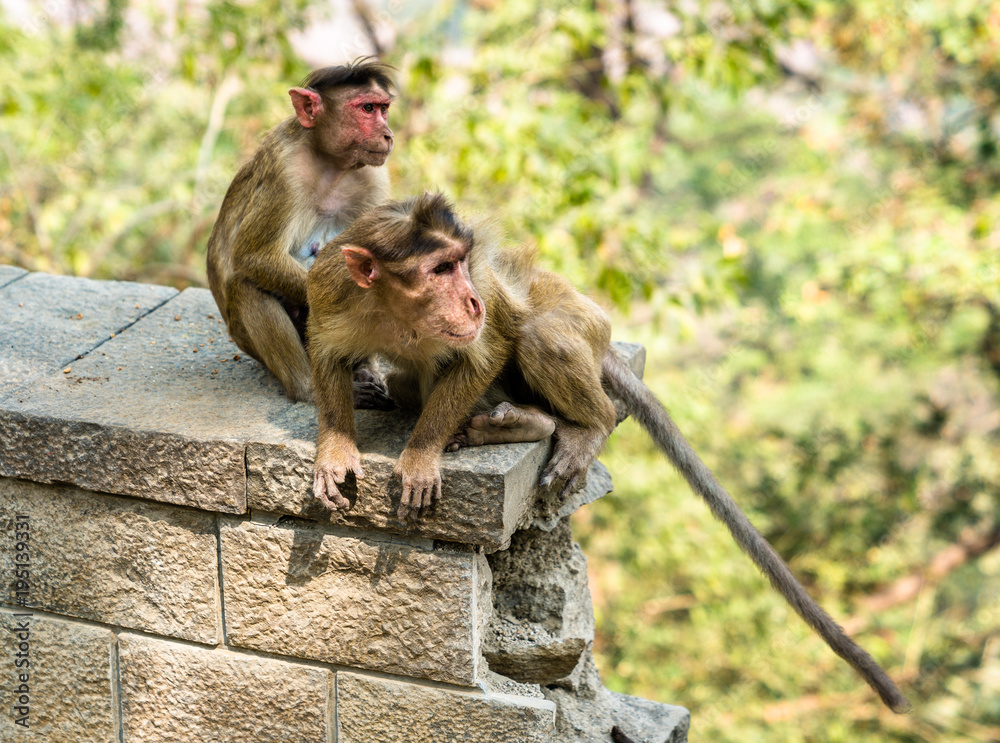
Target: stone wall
167, 577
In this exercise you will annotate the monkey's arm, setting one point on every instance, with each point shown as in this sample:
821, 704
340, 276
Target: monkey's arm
450, 403
336, 448
262, 246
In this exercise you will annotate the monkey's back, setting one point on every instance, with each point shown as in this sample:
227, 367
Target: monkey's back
258, 181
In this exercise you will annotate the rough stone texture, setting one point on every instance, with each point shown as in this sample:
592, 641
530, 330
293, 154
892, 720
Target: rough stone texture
9, 274
138, 391
543, 617
375, 710
70, 690
114, 560
354, 602
142, 415
47, 321
486, 491
587, 712
172, 693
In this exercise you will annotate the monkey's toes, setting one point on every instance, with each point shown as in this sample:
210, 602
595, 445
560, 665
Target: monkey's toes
567, 476
506, 424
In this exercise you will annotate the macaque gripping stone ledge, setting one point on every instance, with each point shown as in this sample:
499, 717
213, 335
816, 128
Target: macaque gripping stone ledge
159, 403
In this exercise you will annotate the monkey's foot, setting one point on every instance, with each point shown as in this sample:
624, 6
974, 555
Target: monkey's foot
618, 735
370, 391
505, 424
572, 455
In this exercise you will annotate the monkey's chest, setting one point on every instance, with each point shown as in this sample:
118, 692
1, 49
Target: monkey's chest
313, 241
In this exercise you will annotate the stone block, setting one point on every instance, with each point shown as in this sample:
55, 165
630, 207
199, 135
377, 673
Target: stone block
67, 683
46, 322
9, 274
377, 710
400, 609
156, 412
172, 693
588, 712
543, 618
113, 560
171, 410
486, 491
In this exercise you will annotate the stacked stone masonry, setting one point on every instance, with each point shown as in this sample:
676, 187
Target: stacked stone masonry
167, 576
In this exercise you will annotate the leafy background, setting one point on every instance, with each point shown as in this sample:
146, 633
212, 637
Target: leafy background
791, 204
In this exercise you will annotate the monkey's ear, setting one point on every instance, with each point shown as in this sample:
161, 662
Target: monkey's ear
308, 105
361, 264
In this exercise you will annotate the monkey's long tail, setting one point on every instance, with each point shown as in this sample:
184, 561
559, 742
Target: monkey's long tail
643, 405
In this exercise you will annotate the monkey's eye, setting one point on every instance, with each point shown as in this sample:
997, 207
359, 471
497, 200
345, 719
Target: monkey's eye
444, 267
385, 108
368, 108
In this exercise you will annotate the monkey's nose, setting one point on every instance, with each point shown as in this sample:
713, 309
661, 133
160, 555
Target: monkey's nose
475, 307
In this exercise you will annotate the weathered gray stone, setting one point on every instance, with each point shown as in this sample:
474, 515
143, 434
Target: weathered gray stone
113, 560
543, 618
68, 681
486, 491
48, 321
309, 593
375, 710
173, 693
587, 712
9, 274
144, 414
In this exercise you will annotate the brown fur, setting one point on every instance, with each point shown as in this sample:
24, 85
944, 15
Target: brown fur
541, 344
301, 187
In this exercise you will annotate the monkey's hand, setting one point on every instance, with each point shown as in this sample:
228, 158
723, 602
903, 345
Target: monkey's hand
332, 465
370, 391
420, 472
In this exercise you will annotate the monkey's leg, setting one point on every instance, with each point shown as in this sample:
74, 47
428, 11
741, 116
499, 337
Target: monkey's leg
264, 330
558, 362
505, 424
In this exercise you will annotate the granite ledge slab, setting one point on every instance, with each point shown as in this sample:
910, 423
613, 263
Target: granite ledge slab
47, 321
171, 410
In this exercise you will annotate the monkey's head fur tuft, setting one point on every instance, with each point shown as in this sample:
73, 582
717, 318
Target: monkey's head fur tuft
398, 230
360, 73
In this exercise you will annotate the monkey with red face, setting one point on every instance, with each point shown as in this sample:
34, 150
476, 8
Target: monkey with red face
467, 325
311, 177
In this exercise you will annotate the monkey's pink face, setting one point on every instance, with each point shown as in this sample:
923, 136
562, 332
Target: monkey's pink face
439, 299
366, 116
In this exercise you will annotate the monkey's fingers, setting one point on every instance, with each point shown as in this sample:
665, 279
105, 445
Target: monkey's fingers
326, 492
409, 505
418, 494
560, 471
619, 736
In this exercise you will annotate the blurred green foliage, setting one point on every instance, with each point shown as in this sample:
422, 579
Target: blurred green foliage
809, 252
